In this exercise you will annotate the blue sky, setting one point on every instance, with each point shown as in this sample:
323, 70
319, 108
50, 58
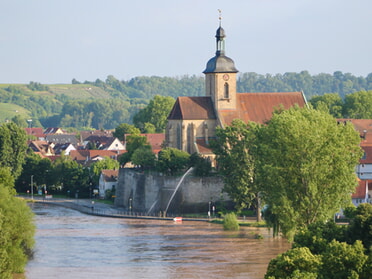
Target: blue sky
52, 41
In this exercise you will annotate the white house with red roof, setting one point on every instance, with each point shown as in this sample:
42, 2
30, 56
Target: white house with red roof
107, 181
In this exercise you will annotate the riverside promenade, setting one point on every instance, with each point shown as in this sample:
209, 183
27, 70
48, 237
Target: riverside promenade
91, 207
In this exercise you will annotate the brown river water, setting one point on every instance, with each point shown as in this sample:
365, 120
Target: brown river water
72, 245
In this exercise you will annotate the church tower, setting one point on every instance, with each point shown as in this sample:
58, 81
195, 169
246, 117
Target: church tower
220, 76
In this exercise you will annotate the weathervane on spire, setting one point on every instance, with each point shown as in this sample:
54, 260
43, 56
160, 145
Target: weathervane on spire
220, 15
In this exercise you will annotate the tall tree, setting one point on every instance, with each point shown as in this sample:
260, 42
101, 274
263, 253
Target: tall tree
172, 160
330, 102
235, 162
123, 129
12, 147
105, 164
358, 105
305, 164
155, 113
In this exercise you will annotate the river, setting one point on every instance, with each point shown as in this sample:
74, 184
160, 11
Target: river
72, 245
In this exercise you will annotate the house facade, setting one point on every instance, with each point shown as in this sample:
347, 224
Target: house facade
193, 120
107, 181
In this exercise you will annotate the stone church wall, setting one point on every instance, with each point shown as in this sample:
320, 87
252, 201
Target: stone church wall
150, 193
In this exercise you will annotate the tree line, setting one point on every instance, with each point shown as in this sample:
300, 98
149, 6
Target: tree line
124, 99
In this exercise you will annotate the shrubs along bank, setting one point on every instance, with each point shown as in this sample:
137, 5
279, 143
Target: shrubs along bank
327, 250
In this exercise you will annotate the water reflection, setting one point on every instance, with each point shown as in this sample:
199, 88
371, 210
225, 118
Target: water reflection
73, 245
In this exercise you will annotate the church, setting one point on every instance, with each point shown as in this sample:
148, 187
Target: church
193, 120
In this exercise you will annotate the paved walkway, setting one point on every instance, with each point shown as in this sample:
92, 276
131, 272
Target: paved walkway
90, 207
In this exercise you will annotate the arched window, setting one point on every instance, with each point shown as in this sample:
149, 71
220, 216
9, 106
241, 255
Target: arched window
226, 94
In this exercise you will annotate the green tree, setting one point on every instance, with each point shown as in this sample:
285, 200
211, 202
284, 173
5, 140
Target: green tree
149, 128
105, 164
235, 162
361, 225
12, 147
358, 105
342, 260
17, 229
330, 102
156, 113
124, 129
133, 142
293, 263
316, 236
172, 160
144, 157
305, 165
202, 166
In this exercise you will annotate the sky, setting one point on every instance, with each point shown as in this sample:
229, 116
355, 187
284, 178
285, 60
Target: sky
55, 41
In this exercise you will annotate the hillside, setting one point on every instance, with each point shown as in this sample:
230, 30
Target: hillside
106, 104
8, 111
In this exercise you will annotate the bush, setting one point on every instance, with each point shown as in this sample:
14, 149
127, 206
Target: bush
293, 263
17, 231
230, 222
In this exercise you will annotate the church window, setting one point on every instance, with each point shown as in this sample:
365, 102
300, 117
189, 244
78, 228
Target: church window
226, 91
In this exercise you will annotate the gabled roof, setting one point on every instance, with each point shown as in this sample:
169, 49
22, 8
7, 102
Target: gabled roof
203, 147
59, 147
86, 134
155, 140
37, 132
363, 126
362, 189
86, 156
259, 107
42, 147
189, 108
368, 155
110, 175
53, 130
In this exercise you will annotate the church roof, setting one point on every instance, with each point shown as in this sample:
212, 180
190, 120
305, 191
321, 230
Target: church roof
259, 107
189, 108
220, 64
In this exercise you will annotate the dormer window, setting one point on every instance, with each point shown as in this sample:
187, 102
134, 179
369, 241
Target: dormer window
226, 94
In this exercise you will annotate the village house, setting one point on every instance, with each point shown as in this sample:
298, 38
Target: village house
107, 181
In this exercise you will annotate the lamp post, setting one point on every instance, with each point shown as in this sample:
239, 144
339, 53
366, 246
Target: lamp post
209, 210
32, 187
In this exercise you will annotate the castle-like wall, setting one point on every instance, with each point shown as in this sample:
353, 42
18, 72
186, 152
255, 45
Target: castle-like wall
150, 193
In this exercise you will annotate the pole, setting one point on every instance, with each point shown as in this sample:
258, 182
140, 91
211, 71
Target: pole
32, 187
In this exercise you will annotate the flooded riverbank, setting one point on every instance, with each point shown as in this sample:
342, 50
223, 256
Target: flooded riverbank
70, 244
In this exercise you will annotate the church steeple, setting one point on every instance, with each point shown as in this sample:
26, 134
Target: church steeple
220, 63
220, 39
220, 75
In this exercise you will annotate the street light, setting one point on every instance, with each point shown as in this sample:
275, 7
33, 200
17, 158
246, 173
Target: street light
32, 187
209, 210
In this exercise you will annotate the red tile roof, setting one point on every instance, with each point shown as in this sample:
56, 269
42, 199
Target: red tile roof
155, 140
259, 107
110, 175
368, 153
203, 147
362, 189
37, 132
87, 155
189, 108
364, 127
